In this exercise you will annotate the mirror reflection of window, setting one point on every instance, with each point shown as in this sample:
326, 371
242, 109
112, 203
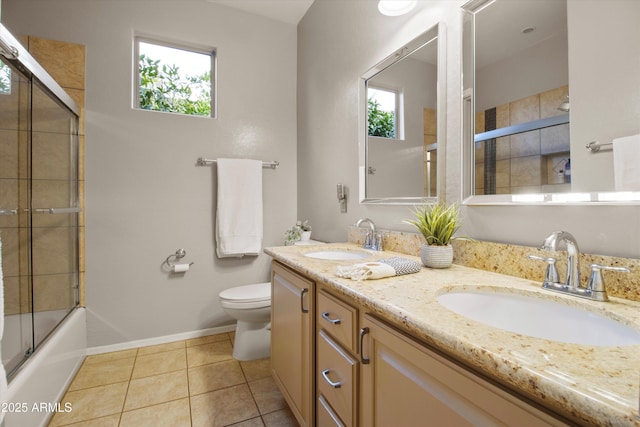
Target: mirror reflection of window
382, 108
5, 79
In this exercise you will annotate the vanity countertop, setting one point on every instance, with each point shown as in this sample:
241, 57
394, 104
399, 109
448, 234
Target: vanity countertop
596, 385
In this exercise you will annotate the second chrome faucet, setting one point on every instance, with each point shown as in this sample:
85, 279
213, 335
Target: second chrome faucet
594, 289
372, 240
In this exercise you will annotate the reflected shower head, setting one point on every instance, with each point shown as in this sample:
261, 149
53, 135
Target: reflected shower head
565, 106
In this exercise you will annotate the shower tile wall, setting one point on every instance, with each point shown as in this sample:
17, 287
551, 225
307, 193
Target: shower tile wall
65, 63
525, 162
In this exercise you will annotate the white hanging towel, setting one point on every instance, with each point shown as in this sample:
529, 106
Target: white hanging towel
239, 210
626, 163
3, 377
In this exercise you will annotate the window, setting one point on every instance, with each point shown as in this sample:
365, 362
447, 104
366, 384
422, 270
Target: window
174, 79
5, 79
382, 112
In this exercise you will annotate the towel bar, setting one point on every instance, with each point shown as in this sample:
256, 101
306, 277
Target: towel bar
206, 162
595, 146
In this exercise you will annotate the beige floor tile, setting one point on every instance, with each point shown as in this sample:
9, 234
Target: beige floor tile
113, 355
267, 395
214, 376
96, 372
156, 389
256, 369
209, 353
169, 414
223, 407
176, 345
159, 363
109, 421
91, 403
253, 422
282, 418
207, 339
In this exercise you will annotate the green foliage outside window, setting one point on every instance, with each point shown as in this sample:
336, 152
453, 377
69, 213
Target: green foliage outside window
162, 88
381, 123
5, 78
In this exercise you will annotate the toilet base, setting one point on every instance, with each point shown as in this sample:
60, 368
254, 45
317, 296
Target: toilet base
252, 341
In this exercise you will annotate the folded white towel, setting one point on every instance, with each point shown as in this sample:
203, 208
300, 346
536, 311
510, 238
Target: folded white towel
387, 267
626, 159
365, 271
239, 211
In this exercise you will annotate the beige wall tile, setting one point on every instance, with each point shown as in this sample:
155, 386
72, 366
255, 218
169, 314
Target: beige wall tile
524, 110
526, 171
525, 144
53, 292
503, 173
503, 148
555, 139
503, 116
479, 122
550, 100
65, 62
430, 122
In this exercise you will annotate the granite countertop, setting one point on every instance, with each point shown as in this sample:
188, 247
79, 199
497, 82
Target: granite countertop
595, 385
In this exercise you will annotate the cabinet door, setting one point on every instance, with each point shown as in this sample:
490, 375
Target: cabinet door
405, 384
292, 326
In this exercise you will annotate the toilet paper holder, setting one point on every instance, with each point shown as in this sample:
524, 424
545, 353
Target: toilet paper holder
180, 253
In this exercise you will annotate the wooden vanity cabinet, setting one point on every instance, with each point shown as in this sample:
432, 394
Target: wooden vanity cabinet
337, 367
292, 340
406, 384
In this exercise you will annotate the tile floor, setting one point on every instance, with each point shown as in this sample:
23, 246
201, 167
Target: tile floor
184, 383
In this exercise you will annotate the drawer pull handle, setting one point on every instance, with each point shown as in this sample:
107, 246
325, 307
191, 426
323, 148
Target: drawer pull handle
334, 384
302, 293
326, 317
364, 331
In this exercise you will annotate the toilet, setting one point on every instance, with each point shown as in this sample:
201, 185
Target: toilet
250, 305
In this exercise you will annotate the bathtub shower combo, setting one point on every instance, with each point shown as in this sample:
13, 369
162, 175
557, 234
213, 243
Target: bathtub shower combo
44, 339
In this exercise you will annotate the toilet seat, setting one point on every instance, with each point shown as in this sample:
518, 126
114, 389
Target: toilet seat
247, 296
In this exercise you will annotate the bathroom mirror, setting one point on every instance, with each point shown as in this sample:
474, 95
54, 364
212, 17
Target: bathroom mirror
401, 130
531, 99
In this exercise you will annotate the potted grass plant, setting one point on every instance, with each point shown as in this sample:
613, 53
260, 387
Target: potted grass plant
437, 223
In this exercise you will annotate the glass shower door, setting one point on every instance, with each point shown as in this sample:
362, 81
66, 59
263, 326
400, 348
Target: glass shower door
54, 207
15, 217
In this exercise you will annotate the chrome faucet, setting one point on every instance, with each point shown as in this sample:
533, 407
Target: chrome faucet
372, 240
594, 289
552, 242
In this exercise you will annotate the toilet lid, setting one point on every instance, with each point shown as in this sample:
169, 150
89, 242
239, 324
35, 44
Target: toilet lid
248, 293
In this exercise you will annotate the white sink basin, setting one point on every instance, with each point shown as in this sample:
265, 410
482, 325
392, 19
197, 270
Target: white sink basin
538, 317
337, 254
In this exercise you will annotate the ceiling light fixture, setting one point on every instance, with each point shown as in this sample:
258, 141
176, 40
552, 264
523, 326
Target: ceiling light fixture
395, 7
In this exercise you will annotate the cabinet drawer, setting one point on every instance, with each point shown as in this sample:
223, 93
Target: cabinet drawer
338, 319
326, 416
337, 377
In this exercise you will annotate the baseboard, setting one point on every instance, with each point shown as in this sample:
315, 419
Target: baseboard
160, 340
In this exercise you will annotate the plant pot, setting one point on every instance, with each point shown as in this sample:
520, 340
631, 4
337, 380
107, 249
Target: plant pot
436, 256
305, 236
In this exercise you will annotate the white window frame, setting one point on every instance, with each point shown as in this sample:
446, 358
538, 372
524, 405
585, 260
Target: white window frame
211, 52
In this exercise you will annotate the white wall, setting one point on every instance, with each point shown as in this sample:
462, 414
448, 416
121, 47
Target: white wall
337, 44
145, 198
